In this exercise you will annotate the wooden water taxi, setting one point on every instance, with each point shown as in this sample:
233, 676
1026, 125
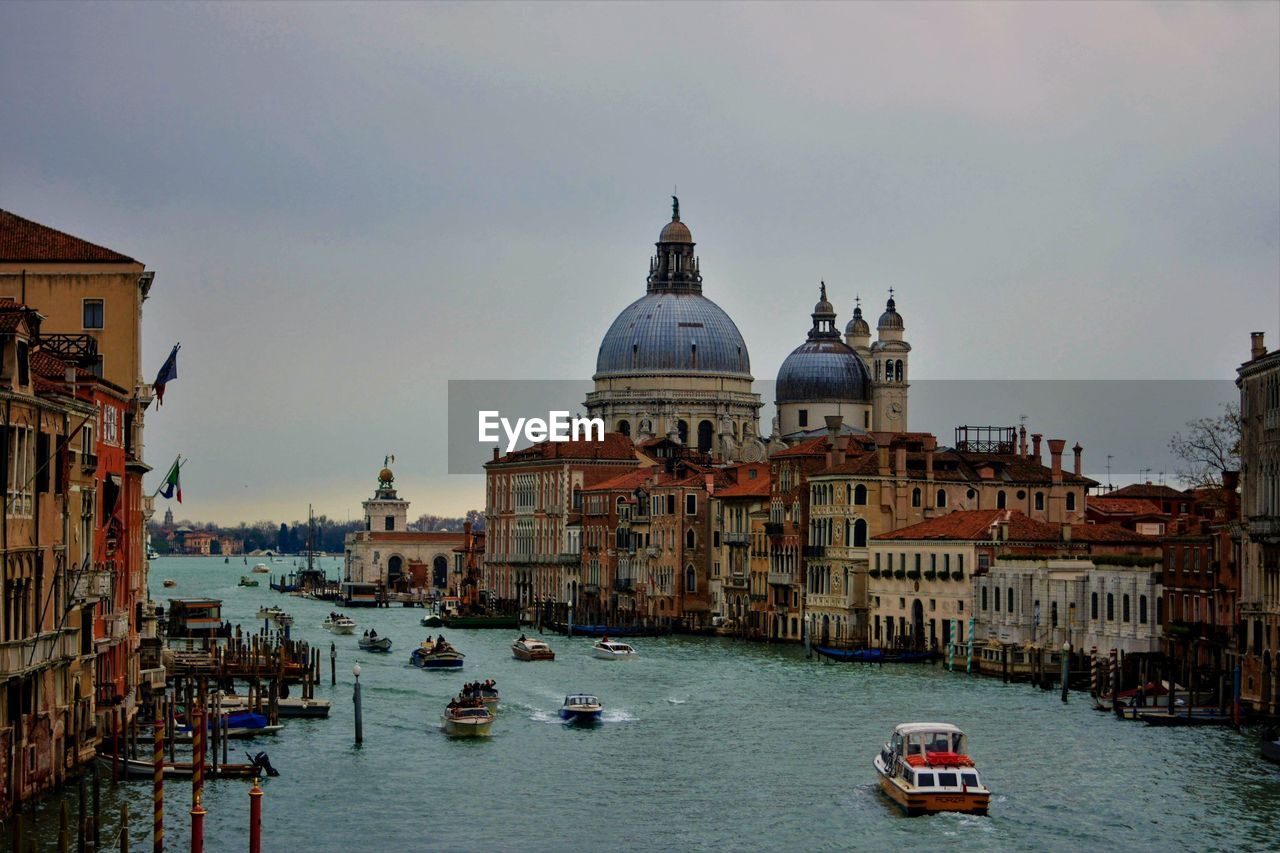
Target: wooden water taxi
436, 654
581, 708
261, 569
467, 720
340, 624
529, 650
925, 769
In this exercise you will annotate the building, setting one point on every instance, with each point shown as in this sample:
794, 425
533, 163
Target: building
924, 578
674, 363
740, 570
533, 534
1259, 533
613, 525
72, 620
390, 555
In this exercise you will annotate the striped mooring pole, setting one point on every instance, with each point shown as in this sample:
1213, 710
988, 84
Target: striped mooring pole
197, 776
1093, 671
157, 781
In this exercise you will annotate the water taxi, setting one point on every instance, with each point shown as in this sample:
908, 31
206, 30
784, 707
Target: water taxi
340, 624
374, 643
607, 649
432, 620
261, 569
170, 582
269, 612
437, 654
529, 650
925, 769
581, 708
467, 720
245, 580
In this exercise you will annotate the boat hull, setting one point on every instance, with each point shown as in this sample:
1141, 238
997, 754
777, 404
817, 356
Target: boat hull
607, 655
382, 644
448, 661
915, 803
432, 621
520, 653
570, 716
466, 728
1271, 751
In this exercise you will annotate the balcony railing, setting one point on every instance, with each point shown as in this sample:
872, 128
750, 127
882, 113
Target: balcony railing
624, 585
88, 462
781, 578
735, 580
19, 655
92, 584
814, 551
737, 538
1266, 527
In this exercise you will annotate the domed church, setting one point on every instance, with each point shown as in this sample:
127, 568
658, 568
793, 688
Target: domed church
674, 363
864, 383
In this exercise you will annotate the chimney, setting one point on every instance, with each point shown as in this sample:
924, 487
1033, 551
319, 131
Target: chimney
1077, 450
835, 451
1022, 440
900, 460
930, 444
1257, 349
1056, 446
1035, 446
882, 460
495, 454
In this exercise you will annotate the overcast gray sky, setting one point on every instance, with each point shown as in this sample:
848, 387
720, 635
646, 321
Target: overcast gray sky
348, 205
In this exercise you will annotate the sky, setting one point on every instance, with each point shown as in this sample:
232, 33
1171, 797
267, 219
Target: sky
346, 206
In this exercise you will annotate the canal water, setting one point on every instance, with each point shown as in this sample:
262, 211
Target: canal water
705, 744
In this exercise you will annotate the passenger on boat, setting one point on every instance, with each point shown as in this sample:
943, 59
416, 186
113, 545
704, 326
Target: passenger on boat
373, 634
522, 638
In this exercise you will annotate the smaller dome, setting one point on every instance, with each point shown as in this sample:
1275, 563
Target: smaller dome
857, 326
385, 475
890, 319
675, 232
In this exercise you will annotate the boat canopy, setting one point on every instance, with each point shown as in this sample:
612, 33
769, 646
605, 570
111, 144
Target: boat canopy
923, 738
581, 699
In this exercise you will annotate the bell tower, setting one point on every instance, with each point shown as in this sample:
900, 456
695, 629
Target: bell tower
889, 377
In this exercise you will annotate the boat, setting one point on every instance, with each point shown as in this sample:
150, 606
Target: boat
170, 582
261, 569
152, 554
1271, 746
436, 655
530, 650
873, 655
1138, 697
339, 624
925, 769
432, 620
289, 708
467, 720
269, 612
239, 724
375, 643
607, 649
245, 580
486, 692
136, 768
581, 708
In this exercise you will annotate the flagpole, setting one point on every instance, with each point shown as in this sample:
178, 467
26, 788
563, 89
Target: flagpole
179, 461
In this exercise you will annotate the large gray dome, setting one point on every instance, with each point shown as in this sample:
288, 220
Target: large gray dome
823, 371
669, 332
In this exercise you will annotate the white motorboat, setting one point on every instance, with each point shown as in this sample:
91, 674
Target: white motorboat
529, 650
269, 612
374, 643
925, 769
340, 624
261, 569
607, 649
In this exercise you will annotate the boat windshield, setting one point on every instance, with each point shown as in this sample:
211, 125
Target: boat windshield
581, 699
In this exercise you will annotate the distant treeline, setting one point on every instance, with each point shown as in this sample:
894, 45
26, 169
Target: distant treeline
292, 538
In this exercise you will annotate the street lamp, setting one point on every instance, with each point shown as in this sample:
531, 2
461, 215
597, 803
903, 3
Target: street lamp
355, 670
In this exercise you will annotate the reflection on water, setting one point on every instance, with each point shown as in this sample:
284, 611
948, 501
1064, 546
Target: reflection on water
704, 743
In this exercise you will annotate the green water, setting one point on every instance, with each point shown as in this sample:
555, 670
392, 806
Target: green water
706, 744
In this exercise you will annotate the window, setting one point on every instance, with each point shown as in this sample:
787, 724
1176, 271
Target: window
804, 417
997, 599
1039, 501
24, 363
942, 498
984, 598
860, 495
690, 579
1142, 610
1111, 607
877, 561
924, 780
93, 314
1093, 606
689, 539
690, 504
1124, 608
1000, 500
915, 497
1010, 599
1053, 614
1071, 501
624, 427
860, 534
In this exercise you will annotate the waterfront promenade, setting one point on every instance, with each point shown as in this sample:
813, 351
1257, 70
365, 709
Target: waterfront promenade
707, 743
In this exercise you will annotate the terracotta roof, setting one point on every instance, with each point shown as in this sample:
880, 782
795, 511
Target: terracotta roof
747, 486
615, 446
975, 525
24, 240
1147, 490
812, 447
1123, 506
627, 482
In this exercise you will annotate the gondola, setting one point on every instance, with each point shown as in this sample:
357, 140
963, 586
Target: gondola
874, 655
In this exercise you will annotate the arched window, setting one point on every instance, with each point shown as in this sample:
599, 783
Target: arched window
690, 579
689, 538
1093, 606
1010, 599
1142, 610
915, 497
897, 371
860, 533
1111, 607
877, 370
624, 427
1000, 499
1039, 501
1124, 608
706, 433
682, 428
942, 498
1071, 501
859, 495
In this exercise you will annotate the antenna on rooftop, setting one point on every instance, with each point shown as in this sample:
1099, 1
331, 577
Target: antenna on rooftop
1109, 458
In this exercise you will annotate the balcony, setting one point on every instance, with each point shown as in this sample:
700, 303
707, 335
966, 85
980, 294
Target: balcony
88, 462
736, 538
1264, 527
811, 552
92, 584
624, 585
591, 589
652, 551
735, 580
781, 578
773, 528
38, 651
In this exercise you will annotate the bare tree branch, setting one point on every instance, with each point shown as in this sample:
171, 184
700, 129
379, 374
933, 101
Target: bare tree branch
1207, 448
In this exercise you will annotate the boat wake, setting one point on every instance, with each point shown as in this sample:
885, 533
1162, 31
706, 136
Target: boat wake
618, 717
677, 701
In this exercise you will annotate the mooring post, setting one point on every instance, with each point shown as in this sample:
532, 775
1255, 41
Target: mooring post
1066, 668
333, 664
97, 808
124, 827
355, 670
64, 834
255, 818
157, 782
82, 815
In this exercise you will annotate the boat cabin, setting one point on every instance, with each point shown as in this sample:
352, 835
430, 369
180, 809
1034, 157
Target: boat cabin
195, 617
921, 739
580, 699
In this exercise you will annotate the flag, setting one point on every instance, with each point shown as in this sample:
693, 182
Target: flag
168, 373
171, 483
